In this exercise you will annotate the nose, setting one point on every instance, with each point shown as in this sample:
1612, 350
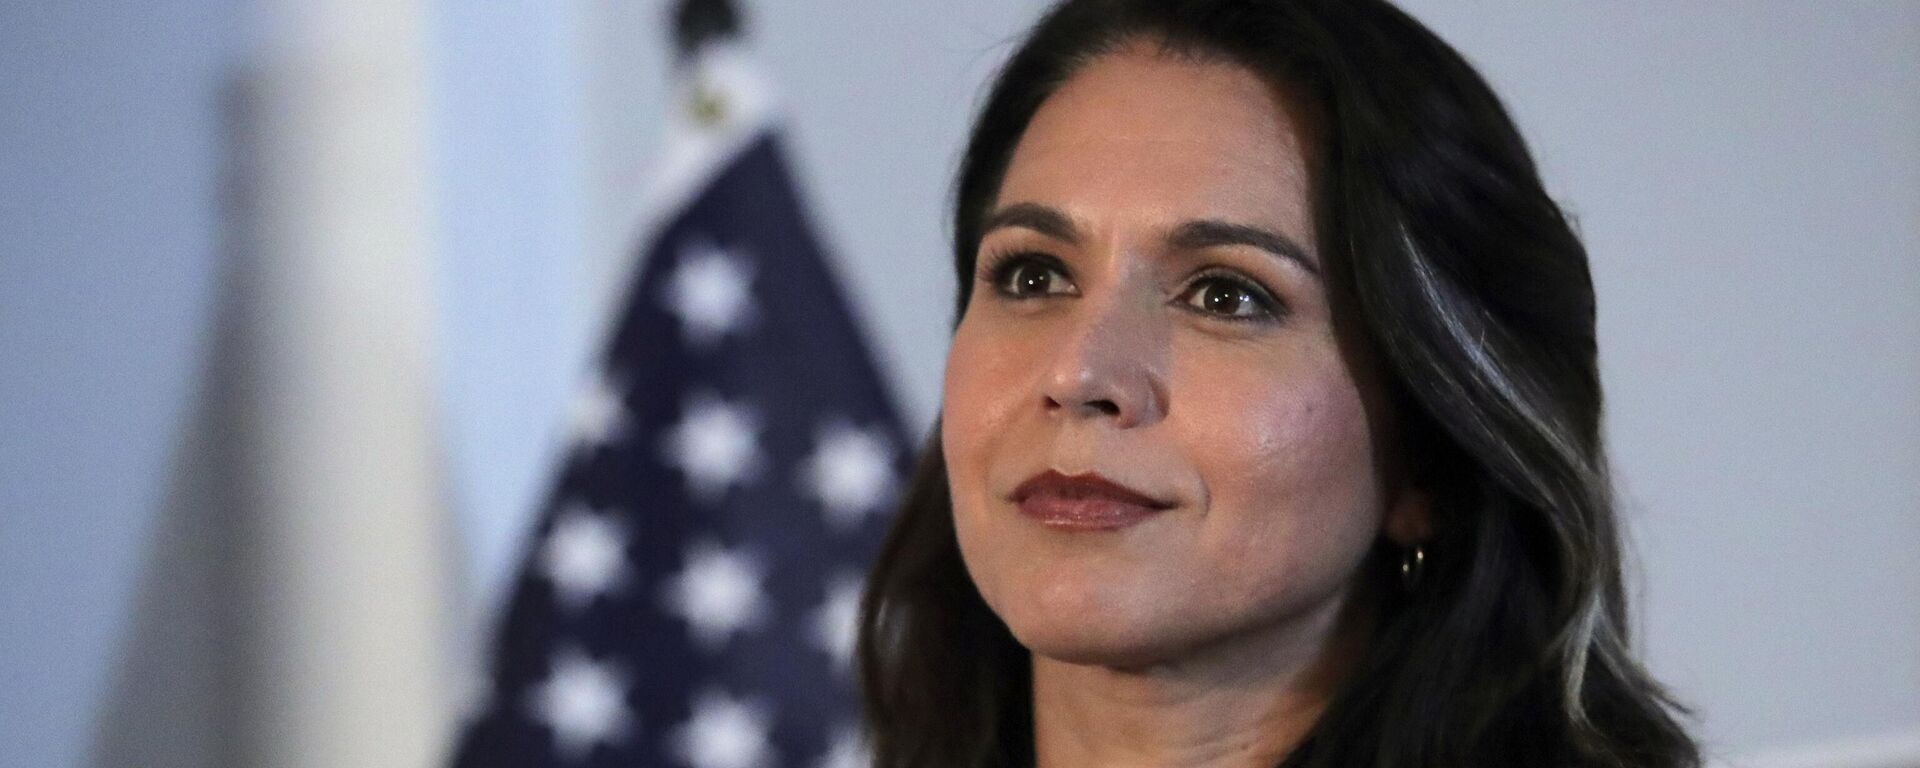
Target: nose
1109, 366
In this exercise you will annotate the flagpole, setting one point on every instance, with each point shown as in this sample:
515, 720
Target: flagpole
344, 601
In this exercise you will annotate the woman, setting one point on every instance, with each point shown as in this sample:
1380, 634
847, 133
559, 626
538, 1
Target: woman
1271, 430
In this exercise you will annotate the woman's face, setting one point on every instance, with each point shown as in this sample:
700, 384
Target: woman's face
1149, 308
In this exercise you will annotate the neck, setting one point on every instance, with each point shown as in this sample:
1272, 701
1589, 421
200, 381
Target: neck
1244, 701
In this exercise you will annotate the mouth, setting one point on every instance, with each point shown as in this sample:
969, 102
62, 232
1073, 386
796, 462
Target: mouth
1084, 502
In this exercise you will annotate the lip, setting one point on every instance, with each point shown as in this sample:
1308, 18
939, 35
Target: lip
1084, 502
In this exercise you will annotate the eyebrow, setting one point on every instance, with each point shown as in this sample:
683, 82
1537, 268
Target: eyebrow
1191, 235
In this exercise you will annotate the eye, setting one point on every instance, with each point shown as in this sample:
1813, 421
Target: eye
1028, 275
1229, 298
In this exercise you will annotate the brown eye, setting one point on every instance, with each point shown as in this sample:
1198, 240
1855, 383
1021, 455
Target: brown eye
1228, 298
1027, 277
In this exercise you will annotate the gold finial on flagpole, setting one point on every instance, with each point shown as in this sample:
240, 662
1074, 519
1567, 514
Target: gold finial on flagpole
698, 23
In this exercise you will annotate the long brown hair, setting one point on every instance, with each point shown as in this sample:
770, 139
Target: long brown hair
1469, 282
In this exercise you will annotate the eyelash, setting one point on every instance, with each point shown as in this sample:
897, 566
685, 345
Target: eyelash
996, 269
1269, 308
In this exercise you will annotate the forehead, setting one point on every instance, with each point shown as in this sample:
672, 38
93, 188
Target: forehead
1140, 137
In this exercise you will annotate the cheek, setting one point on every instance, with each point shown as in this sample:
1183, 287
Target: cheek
1288, 463
974, 402
992, 367
975, 409
980, 397
1306, 437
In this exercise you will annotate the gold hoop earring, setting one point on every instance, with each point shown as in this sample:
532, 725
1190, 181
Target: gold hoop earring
1413, 562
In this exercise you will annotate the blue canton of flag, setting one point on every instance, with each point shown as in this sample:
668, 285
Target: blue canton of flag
690, 594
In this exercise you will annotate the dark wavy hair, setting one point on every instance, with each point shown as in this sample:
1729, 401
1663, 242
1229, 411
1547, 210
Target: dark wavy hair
1453, 263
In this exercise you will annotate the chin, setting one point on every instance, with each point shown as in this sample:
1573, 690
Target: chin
1092, 649
1086, 631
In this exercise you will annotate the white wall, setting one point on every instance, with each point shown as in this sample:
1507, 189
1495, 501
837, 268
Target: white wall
1747, 176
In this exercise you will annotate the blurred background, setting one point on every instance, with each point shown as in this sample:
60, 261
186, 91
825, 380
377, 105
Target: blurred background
1747, 177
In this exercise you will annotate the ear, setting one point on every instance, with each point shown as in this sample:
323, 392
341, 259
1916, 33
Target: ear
1410, 517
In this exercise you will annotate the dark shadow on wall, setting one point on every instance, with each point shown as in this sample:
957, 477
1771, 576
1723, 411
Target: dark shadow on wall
173, 689
167, 704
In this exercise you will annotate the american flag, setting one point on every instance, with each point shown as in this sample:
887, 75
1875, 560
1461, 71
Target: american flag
689, 595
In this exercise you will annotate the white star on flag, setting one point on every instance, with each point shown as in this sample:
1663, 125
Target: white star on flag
709, 293
848, 472
714, 445
836, 621
585, 556
725, 733
583, 703
718, 593
598, 413
847, 750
